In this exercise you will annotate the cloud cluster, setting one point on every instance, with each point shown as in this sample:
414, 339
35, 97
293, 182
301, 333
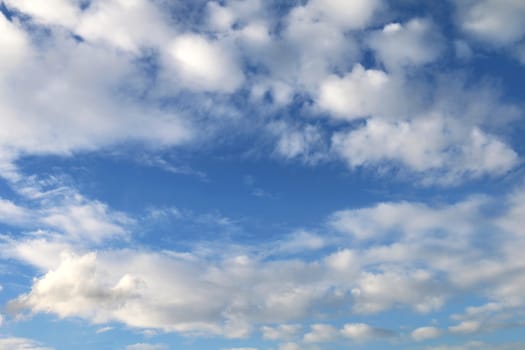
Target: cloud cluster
432, 259
99, 74
324, 81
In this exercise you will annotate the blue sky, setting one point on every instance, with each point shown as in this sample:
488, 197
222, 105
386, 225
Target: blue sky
262, 175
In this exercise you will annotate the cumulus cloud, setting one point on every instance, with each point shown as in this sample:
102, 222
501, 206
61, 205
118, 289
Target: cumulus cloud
70, 90
320, 333
425, 333
101, 76
289, 346
281, 332
430, 260
360, 93
427, 145
466, 327
305, 143
412, 44
15, 44
390, 219
205, 65
498, 22
20, 344
126, 25
363, 332
85, 77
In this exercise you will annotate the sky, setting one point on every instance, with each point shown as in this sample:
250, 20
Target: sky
262, 175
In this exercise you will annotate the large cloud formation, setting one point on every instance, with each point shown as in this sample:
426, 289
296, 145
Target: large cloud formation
313, 82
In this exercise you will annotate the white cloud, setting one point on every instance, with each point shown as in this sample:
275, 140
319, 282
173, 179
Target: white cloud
305, 143
64, 212
320, 333
301, 241
427, 145
363, 332
12, 213
15, 46
416, 288
425, 333
477, 345
139, 289
204, 64
466, 327
281, 332
126, 24
354, 15
146, 346
361, 93
289, 346
220, 18
391, 219
313, 43
499, 22
430, 260
53, 12
20, 344
414, 43
65, 100
90, 221
104, 330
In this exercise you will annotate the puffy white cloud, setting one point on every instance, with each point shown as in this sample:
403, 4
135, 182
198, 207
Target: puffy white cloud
126, 24
15, 45
361, 93
281, 332
465, 327
425, 333
320, 333
146, 346
140, 290
314, 42
363, 332
20, 344
391, 219
289, 346
417, 288
305, 143
427, 144
205, 64
65, 100
302, 241
430, 260
220, 18
414, 43
499, 22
